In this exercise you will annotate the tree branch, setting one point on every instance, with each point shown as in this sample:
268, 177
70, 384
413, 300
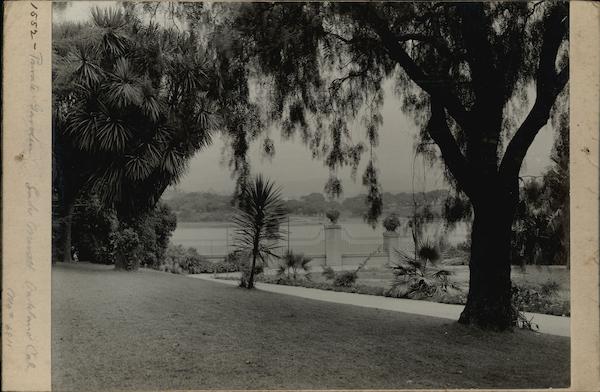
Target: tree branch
453, 158
340, 38
484, 73
429, 39
431, 85
549, 84
337, 83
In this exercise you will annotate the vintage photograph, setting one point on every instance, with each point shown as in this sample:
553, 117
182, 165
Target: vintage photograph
310, 195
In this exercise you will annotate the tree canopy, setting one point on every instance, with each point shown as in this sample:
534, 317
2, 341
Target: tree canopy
322, 66
132, 104
465, 73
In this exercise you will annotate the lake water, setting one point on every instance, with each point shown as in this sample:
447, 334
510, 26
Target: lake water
304, 235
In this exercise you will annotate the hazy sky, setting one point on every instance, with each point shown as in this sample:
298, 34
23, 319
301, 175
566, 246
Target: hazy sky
294, 170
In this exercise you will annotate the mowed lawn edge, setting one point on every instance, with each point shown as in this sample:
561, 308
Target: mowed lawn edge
154, 330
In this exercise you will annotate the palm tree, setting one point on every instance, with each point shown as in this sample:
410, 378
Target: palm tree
292, 263
258, 221
132, 105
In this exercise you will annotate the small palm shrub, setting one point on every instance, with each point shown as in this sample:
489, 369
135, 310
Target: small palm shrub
258, 220
292, 263
414, 279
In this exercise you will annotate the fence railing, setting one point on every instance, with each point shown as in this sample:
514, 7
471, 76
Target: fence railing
307, 239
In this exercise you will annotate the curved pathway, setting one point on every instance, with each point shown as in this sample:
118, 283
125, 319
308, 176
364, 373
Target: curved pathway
553, 325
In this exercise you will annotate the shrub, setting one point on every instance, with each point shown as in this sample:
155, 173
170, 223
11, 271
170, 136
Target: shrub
92, 227
391, 223
539, 301
181, 260
197, 264
333, 215
154, 229
345, 279
328, 273
234, 260
358, 289
292, 263
125, 249
549, 288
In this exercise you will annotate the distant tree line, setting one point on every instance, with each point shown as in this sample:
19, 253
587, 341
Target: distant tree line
210, 206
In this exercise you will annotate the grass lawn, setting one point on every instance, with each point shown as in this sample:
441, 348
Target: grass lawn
153, 330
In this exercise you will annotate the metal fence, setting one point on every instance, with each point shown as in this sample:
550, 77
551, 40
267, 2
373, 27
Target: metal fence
217, 240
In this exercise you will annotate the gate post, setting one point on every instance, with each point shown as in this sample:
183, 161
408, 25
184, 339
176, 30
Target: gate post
391, 241
333, 244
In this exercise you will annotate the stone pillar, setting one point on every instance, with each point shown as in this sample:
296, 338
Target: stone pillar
333, 245
391, 241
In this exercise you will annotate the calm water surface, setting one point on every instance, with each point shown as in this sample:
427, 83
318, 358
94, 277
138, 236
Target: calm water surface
305, 235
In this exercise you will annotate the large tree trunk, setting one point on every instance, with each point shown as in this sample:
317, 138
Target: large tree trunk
67, 221
489, 302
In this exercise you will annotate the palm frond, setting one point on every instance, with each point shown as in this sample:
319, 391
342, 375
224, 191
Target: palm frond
108, 18
124, 88
150, 152
137, 168
111, 20
113, 134
173, 161
82, 127
108, 183
86, 72
150, 104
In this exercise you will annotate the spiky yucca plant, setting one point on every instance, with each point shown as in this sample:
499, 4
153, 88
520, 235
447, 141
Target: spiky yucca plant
258, 221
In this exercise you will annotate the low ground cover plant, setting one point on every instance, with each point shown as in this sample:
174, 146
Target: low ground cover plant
541, 299
303, 282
